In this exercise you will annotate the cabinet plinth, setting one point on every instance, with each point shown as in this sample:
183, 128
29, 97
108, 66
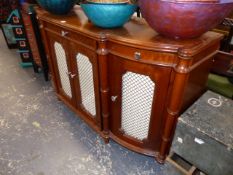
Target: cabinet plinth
129, 84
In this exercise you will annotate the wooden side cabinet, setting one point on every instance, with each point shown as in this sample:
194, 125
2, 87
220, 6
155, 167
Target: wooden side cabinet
129, 84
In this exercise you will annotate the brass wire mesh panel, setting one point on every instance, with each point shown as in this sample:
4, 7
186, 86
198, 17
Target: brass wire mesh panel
86, 80
137, 98
62, 68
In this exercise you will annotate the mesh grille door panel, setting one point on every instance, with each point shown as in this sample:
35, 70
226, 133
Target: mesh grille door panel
86, 80
62, 68
137, 98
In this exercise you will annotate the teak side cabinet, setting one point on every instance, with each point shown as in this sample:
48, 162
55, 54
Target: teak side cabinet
129, 84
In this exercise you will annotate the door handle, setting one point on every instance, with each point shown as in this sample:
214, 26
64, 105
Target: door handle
68, 73
64, 33
114, 98
72, 75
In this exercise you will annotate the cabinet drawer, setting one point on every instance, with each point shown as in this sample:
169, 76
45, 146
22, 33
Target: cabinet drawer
142, 55
70, 35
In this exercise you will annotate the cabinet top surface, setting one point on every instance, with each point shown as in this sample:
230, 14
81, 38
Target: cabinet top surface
135, 33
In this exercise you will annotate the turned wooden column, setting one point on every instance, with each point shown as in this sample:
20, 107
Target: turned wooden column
104, 86
181, 71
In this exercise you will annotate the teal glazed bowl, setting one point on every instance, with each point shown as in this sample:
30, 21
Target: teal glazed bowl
59, 7
108, 15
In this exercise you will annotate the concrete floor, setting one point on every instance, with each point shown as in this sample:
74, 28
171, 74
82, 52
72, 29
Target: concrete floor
39, 135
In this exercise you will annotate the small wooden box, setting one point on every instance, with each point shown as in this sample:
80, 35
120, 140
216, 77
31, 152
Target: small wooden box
204, 134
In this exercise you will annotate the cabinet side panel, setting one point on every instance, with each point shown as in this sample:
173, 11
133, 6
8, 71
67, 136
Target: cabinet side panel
198, 76
196, 84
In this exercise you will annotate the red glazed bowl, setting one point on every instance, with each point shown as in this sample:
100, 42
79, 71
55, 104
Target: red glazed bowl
184, 19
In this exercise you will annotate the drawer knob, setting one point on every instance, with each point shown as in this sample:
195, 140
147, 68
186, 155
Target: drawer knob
41, 26
137, 55
64, 33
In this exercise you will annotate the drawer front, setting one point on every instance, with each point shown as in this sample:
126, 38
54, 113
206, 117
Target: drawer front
142, 55
70, 35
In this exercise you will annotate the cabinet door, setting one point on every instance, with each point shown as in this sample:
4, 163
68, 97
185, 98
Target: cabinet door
62, 68
138, 94
86, 81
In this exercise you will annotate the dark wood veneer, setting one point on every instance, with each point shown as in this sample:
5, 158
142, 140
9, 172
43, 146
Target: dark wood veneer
179, 69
